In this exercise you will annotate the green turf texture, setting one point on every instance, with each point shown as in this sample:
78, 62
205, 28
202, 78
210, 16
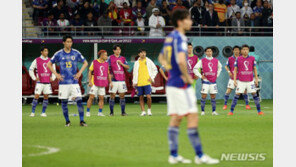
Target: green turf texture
142, 141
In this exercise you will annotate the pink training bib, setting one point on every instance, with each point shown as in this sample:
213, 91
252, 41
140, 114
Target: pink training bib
42, 71
100, 73
231, 61
191, 62
116, 69
245, 68
210, 69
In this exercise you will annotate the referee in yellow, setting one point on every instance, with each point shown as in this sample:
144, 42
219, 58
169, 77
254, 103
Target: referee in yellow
144, 73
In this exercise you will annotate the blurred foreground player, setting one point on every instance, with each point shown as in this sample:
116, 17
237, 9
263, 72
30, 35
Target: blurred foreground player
245, 71
68, 59
181, 98
98, 81
43, 79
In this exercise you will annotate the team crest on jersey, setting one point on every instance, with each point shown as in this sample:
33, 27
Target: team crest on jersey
73, 58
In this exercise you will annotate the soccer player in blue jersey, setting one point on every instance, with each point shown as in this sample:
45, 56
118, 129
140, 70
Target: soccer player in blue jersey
68, 59
180, 94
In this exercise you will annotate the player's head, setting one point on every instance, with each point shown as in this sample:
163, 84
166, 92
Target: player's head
245, 50
142, 53
116, 49
181, 19
103, 54
44, 51
190, 48
68, 41
209, 51
236, 50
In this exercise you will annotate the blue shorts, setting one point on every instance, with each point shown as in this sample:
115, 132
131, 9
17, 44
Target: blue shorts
144, 90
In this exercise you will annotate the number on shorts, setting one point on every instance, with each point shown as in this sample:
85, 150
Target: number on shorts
124, 86
215, 87
78, 90
252, 86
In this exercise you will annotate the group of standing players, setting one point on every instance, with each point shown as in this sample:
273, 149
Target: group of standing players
175, 57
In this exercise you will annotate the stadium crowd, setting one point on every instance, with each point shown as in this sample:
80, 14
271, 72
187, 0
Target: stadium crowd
153, 13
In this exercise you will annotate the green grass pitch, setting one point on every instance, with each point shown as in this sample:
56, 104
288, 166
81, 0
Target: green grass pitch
142, 141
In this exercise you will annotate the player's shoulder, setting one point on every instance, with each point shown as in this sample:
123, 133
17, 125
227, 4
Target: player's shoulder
75, 51
58, 52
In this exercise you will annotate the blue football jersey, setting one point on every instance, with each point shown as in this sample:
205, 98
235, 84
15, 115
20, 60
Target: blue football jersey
68, 64
174, 43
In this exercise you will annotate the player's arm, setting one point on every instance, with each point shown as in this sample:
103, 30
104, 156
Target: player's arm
256, 75
234, 76
90, 70
162, 73
110, 79
50, 67
31, 71
196, 70
219, 69
183, 68
81, 70
124, 65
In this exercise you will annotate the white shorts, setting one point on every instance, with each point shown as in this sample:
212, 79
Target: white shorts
242, 86
209, 89
118, 86
97, 90
69, 90
181, 101
230, 84
41, 87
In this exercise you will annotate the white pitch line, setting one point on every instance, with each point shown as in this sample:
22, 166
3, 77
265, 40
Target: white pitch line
50, 150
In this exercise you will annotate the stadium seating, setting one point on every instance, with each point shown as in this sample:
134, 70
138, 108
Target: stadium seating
27, 88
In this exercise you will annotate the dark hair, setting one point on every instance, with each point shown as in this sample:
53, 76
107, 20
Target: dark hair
42, 48
115, 47
189, 43
208, 48
245, 46
124, 3
66, 37
236, 47
237, 13
141, 50
252, 49
101, 51
179, 14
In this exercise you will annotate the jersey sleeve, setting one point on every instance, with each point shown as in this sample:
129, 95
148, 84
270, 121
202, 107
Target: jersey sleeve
80, 58
181, 45
109, 60
55, 58
91, 67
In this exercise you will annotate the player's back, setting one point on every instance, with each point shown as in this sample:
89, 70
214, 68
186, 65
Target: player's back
174, 43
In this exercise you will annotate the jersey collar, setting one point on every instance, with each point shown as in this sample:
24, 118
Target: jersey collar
43, 58
66, 52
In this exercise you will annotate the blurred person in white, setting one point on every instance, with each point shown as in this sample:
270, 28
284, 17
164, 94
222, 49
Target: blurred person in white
232, 9
62, 22
140, 22
246, 9
119, 3
156, 23
238, 22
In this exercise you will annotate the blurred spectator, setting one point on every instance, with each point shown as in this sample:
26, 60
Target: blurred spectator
104, 20
126, 15
246, 9
197, 13
90, 21
62, 22
40, 8
231, 10
258, 12
179, 5
159, 3
85, 9
156, 23
119, 3
140, 23
211, 19
73, 3
246, 19
77, 22
206, 5
165, 12
172, 3
266, 13
137, 9
238, 22
49, 21
221, 9
60, 8
103, 7
149, 8
113, 14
